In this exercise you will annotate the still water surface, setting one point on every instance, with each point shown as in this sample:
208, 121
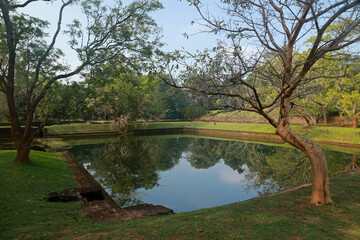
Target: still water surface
189, 173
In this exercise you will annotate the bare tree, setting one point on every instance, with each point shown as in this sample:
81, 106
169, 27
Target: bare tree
269, 77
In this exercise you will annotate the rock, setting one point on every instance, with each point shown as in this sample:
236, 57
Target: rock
90, 193
53, 197
69, 195
38, 148
148, 210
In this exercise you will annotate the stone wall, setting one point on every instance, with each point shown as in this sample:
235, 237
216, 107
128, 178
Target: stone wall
246, 119
336, 120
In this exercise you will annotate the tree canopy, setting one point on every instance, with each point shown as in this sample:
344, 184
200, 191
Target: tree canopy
30, 66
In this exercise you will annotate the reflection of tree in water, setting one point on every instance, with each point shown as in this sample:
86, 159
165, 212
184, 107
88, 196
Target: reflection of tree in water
269, 168
130, 164
204, 153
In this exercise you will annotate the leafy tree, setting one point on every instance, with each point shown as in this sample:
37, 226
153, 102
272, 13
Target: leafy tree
345, 93
122, 92
63, 102
171, 103
277, 29
125, 33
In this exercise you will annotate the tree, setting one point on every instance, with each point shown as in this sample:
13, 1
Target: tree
122, 91
345, 93
63, 102
125, 33
277, 30
172, 103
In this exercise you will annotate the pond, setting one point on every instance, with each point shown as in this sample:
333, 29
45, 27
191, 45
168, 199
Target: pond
186, 173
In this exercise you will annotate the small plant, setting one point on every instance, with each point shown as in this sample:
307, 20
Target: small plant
121, 123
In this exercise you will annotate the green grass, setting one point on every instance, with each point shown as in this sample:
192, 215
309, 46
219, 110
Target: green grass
316, 133
78, 128
219, 113
334, 134
23, 212
24, 215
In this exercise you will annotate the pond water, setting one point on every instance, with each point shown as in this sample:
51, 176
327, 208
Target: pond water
189, 173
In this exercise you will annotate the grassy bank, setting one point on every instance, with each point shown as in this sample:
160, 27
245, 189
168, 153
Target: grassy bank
316, 133
24, 215
78, 128
23, 212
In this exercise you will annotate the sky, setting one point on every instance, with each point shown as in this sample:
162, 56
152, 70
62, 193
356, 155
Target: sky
175, 20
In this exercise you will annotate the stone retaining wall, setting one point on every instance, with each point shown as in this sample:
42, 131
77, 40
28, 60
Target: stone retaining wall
337, 120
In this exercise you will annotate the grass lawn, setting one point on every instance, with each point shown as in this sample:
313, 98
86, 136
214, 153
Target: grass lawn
76, 128
23, 212
24, 215
316, 133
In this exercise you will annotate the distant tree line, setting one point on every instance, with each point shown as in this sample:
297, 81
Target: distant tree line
108, 93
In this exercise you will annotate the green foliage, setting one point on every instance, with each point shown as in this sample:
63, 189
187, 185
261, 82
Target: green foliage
345, 93
64, 102
116, 32
126, 33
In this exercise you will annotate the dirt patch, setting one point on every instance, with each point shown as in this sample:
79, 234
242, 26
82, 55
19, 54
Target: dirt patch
312, 220
107, 210
92, 236
294, 238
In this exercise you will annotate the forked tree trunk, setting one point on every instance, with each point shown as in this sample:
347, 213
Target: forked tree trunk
320, 177
23, 153
22, 145
22, 137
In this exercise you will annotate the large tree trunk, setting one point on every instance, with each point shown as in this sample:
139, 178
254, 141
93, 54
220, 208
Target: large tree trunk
320, 177
324, 114
354, 122
23, 151
22, 139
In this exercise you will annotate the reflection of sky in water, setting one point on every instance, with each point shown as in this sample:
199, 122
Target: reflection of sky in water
184, 188
232, 177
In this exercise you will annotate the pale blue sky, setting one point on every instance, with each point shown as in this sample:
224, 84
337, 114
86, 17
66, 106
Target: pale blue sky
175, 19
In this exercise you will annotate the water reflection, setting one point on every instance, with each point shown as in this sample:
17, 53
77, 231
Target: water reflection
190, 173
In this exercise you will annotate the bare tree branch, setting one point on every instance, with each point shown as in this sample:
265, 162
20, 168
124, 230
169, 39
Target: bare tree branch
26, 3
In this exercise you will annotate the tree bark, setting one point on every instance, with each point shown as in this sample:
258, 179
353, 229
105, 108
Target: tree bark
324, 114
320, 177
22, 144
23, 151
354, 122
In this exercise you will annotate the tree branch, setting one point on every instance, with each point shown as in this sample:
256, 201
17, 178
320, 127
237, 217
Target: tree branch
26, 3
